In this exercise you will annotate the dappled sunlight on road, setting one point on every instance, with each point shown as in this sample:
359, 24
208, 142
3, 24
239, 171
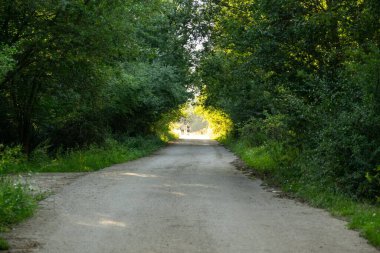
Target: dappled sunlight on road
195, 139
139, 175
102, 223
112, 223
180, 194
200, 185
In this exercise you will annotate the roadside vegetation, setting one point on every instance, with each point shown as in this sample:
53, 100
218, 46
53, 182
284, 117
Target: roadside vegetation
362, 215
88, 159
300, 81
15, 204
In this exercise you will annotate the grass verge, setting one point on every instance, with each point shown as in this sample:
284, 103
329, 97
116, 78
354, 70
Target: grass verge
3, 244
15, 205
361, 216
90, 159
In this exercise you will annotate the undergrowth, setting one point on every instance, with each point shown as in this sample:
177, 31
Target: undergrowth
90, 159
15, 205
3, 244
270, 162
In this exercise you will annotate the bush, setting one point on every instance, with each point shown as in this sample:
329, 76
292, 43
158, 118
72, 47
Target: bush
219, 122
94, 157
3, 244
10, 158
80, 131
15, 203
252, 132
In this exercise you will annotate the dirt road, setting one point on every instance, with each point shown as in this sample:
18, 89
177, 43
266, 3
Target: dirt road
185, 198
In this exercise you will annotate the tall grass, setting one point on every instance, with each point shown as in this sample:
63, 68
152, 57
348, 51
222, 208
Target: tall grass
90, 159
15, 205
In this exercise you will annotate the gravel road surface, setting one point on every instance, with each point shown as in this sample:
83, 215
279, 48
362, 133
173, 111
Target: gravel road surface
186, 198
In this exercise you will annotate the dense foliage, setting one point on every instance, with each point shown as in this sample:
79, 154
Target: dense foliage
74, 72
301, 80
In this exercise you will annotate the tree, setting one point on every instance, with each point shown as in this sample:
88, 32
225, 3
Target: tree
63, 59
293, 67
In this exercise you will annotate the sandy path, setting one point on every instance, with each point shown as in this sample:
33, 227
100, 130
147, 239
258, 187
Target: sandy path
185, 198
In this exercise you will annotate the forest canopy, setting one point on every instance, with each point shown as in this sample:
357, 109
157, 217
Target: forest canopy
73, 72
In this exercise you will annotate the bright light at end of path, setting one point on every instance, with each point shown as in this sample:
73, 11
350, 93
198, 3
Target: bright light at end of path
192, 136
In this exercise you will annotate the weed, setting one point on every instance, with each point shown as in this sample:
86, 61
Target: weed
15, 203
3, 244
90, 159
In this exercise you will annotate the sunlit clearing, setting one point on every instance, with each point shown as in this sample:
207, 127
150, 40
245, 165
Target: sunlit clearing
138, 174
199, 122
112, 223
218, 122
194, 136
192, 125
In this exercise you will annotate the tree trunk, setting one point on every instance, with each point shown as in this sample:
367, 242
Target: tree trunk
25, 109
25, 131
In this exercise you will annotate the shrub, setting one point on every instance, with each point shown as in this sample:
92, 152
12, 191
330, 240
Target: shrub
3, 244
10, 158
15, 203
